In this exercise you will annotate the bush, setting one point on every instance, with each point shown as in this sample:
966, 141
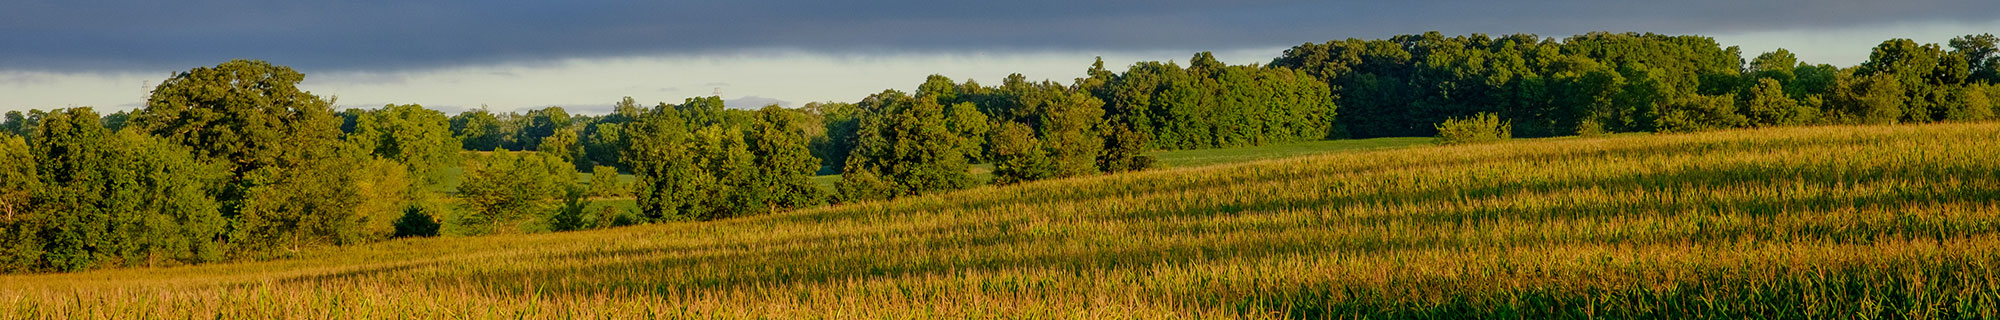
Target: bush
1484, 127
1589, 128
416, 223
1124, 150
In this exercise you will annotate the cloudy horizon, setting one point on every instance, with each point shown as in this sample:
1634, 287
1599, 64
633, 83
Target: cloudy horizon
585, 55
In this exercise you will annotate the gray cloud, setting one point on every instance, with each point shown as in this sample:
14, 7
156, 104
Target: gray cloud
25, 78
72, 36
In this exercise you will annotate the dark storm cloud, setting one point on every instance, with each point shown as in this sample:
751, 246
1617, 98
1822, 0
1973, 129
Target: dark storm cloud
87, 35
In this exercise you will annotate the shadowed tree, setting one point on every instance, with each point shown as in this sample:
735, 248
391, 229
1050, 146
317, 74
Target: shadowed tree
841, 121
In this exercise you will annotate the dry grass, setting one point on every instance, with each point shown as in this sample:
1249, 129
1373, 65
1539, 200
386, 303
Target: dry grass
1850, 222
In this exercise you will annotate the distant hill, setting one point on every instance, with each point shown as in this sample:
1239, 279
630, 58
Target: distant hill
754, 103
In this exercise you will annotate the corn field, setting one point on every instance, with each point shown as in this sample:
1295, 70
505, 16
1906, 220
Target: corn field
1810, 222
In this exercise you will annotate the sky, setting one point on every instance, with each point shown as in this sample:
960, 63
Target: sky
585, 55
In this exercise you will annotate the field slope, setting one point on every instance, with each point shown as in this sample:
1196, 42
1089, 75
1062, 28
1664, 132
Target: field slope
1888, 221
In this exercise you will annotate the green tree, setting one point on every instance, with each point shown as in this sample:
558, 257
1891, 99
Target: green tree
1124, 150
71, 156
20, 247
971, 126
1484, 127
658, 152
604, 182
905, 149
784, 165
1877, 98
939, 88
602, 143
1069, 132
569, 215
542, 123
478, 130
841, 122
308, 203
386, 189
1970, 103
249, 113
1980, 53
114, 199
563, 145
17, 177
731, 174
17, 123
1699, 112
702, 111
1018, 156
116, 120
1922, 71
290, 184
1768, 105
419, 138
604, 139
1777, 65
509, 186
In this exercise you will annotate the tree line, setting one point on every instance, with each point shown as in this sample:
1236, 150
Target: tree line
1608, 82
236, 162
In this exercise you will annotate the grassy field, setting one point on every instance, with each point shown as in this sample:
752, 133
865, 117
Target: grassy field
1840, 222
983, 173
1190, 158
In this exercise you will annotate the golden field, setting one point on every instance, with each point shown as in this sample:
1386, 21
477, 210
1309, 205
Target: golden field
1842, 221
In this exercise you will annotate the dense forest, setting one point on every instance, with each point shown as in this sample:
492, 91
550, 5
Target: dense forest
235, 161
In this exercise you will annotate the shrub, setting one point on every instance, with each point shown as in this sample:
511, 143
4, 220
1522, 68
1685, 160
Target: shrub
1589, 128
1484, 127
416, 223
1124, 150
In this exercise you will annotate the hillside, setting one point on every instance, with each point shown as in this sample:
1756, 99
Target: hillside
1893, 221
